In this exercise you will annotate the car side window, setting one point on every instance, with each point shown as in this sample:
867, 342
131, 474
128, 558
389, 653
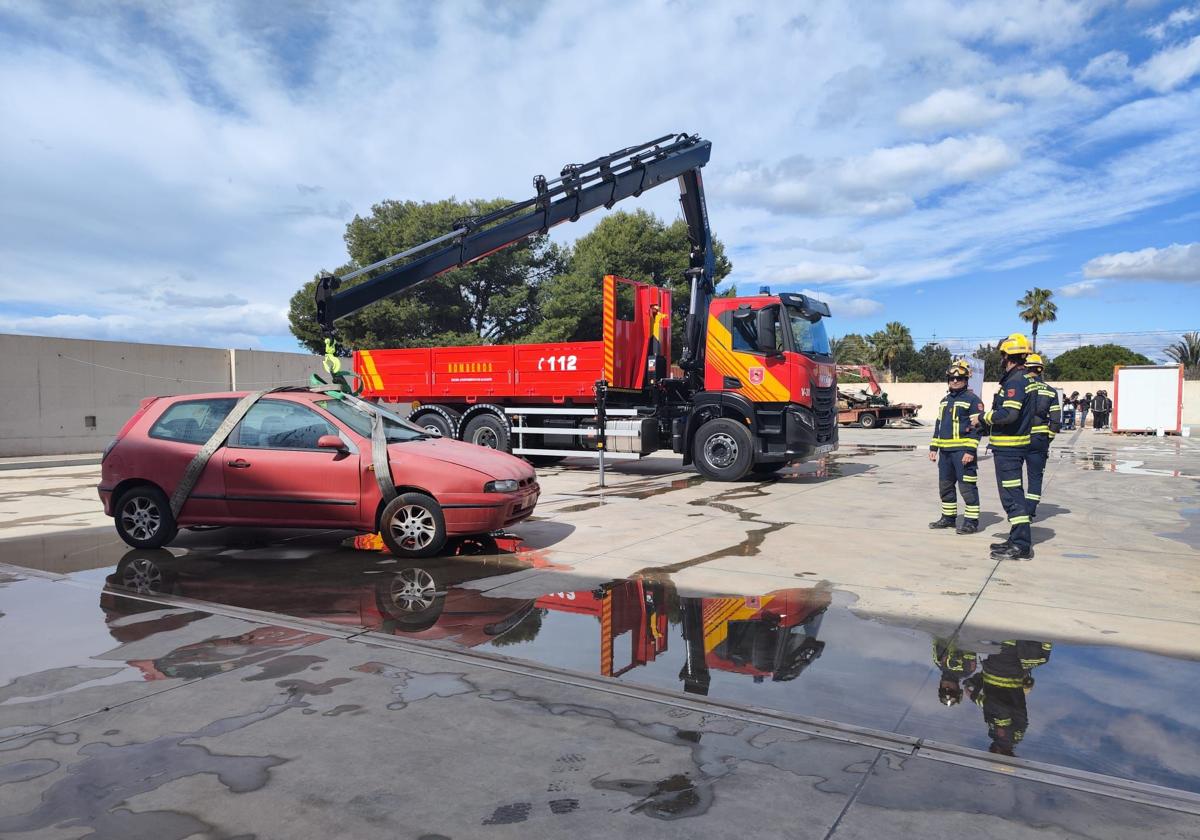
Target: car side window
278, 424
192, 421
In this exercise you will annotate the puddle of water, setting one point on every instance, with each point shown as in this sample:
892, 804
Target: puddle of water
798, 649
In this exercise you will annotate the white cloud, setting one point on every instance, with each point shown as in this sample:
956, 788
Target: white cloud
827, 244
1050, 83
953, 108
1112, 65
1170, 68
1084, 288
882, 182
1176, 20
242, 327
847, 306
810, 272
1175, 263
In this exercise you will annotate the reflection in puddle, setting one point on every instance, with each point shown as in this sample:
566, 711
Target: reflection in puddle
800, 650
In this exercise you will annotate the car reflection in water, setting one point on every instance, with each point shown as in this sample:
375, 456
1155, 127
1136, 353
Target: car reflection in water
999, 688
771, 636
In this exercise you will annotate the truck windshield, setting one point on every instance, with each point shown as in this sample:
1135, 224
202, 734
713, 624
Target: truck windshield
395, 429
808, 337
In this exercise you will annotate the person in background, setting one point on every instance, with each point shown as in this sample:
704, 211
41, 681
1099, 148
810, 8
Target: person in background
1085, 405
1101, 407
1068, 411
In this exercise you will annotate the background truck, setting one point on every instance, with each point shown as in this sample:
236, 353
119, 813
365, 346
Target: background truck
861, 402
756, 385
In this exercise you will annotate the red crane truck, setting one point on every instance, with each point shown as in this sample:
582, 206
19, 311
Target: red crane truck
756, 387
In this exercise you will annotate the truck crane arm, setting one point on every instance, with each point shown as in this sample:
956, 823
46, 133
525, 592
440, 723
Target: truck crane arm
580, 189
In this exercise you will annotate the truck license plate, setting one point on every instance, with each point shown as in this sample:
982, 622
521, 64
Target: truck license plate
824, 450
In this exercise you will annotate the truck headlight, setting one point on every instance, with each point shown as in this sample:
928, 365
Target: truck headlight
501, 485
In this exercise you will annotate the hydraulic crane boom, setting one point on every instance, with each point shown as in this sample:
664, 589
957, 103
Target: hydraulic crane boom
580, 189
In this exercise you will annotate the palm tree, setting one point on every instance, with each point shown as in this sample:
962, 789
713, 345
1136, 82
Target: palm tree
888, 343
1186, 352
1038, 309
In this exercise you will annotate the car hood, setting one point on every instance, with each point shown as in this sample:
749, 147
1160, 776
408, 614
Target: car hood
479, 458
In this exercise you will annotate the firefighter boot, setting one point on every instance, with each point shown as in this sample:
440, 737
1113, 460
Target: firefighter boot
1012, 553
969, 526
1001, 546
944, 522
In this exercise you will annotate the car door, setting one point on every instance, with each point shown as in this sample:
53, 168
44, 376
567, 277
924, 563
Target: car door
275, 474
171, 444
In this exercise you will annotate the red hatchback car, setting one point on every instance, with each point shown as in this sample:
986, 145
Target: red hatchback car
301, 459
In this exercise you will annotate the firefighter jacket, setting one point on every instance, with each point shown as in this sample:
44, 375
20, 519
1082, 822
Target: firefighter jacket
1011, 417
1101, 403
956, 664
1000, 690
1047, 410
952, 429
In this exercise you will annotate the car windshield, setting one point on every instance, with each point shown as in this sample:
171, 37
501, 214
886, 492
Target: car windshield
396, 429
808, 337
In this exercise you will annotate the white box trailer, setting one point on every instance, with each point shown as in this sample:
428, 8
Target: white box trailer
1147, 398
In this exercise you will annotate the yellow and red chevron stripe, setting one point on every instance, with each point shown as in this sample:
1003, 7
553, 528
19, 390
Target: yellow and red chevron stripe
371, 374
610, 313
729, 362
718, 612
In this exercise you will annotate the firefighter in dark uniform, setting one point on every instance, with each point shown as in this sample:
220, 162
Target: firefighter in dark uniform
956, 665
1047, 423
1008, 425
1001, 688
954, 447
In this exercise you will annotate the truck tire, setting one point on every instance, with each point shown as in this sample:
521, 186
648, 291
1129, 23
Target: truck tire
412, 525
867, 420
723, 449
437, 421
487, 430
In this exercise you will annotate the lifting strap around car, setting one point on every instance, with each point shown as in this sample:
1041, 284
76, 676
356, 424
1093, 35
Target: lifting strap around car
192, 474
339, 389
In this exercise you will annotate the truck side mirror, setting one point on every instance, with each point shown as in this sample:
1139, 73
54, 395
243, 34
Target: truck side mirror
768, 325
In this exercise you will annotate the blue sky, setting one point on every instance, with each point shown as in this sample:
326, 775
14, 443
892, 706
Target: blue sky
173, 172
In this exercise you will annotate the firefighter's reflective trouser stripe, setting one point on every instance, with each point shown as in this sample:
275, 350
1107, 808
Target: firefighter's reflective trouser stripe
1008, 477
1035, 464
951, 469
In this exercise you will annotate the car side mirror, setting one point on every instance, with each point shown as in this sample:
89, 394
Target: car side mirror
332, 442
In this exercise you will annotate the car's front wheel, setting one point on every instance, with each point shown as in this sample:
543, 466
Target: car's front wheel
412, 525
143, 517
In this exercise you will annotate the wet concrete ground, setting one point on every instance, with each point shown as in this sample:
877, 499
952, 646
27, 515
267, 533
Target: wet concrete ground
752, 658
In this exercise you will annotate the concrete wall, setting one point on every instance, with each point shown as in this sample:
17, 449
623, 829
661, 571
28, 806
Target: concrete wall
52, 386
929, 394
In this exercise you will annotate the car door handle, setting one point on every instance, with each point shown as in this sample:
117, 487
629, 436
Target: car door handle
239, 464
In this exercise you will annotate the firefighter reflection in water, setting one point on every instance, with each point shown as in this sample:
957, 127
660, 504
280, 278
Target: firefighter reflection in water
957, 665
1005, 678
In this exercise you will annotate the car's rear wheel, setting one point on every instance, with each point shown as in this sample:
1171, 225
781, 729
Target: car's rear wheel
412, 525
143, 517
487, 430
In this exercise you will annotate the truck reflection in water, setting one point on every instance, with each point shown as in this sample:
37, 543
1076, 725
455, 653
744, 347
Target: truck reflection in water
765, 637
1000, 686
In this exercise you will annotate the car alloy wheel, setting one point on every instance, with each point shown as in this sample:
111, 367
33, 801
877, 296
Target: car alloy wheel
413, 590
141, 517
142, 575
413, 527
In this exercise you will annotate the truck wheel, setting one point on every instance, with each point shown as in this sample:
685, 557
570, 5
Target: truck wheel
867, 420
434, 421
412, 525
723, 450
487, 430
143, 517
